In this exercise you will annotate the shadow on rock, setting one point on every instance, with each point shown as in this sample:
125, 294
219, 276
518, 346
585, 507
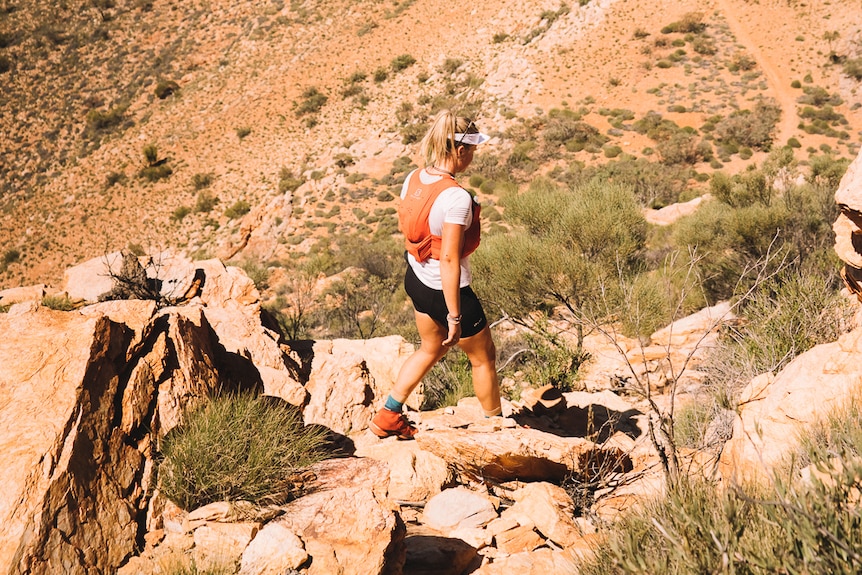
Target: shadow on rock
547, 409
434, 554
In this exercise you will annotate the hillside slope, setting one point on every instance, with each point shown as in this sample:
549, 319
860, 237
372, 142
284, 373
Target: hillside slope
260, 96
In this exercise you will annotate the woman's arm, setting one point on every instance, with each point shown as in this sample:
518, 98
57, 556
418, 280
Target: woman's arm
450, 275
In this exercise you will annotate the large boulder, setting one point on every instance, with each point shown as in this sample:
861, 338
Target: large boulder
19, 294
774, 409
71, 483
350, 378
848, 196
848, 226
415, 475
346, 523
627, 362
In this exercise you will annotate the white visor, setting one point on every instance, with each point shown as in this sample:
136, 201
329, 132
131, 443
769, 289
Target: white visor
471, 139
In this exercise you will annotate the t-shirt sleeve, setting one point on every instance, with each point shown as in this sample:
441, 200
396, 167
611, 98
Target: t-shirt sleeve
458, 206
452, 206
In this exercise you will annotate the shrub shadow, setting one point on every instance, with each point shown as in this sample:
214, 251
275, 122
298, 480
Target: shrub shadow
595, 422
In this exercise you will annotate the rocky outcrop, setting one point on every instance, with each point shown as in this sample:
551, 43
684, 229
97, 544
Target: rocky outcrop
627, 362
773, 409
507, 454
85, 395
72, 485
848, 226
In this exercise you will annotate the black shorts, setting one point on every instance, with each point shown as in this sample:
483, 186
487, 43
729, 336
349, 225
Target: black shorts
431, 302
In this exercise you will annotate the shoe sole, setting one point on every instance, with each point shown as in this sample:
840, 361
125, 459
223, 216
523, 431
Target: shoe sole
383, 434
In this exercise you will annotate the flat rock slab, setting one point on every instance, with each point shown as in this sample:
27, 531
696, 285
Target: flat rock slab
509, 454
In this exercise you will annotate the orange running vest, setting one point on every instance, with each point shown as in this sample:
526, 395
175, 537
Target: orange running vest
413, 219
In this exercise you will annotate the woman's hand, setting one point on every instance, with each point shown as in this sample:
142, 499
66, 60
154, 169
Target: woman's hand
454, 334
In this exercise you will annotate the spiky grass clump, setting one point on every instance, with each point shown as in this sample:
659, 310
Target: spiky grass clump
238, 447
799, 523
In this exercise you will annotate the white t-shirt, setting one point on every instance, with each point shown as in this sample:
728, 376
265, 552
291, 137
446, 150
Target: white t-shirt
453, 206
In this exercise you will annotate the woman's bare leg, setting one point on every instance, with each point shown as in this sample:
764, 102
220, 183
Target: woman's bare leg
483, 360
417, 366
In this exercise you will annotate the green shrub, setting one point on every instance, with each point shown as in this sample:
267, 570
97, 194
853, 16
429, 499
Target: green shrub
402, 62
287, 182
653, 183
100, 121
166, 88
544, 358
242, 132
449, 381
181, 212
237, 209
785, 317
580, 236
691, 22
788, 526
680, 148
201, 181
612, 151
11, 256
114, 178
156, 172
753, 129
312, 102
380, 75
704, 46
691, 420
853, 68
741, 61
238, 447
817, 96
151, 154
796, 84
499, 37
357, 77
205, 202
58, 302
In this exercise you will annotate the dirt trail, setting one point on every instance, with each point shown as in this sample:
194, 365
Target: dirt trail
780, 85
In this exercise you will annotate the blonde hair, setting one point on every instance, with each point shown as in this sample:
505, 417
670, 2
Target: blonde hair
439, 143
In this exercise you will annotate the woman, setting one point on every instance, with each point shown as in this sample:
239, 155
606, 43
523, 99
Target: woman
440, 222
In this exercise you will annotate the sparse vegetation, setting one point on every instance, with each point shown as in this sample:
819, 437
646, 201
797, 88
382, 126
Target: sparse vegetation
853, 68
237, 209
239, 447
787, 526
205, 202
690, 23
202, 180
58, 302
288, 182
166, 88
312, 100
155, 169
402, 62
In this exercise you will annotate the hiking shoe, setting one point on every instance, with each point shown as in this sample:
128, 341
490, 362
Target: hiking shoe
387, 423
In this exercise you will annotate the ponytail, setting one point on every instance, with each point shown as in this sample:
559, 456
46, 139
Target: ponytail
439, 143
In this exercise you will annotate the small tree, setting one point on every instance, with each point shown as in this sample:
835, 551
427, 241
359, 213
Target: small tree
567, 243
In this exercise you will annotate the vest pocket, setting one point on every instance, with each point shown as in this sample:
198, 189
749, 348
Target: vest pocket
422, 249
